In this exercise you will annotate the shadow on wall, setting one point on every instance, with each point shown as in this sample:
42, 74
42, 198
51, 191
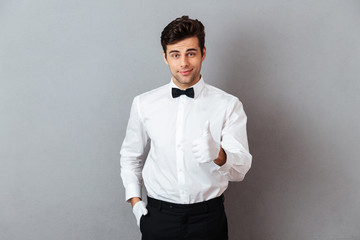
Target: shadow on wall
245, 79
263, 204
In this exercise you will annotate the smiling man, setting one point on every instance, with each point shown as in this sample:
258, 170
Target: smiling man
198, 143
184, 59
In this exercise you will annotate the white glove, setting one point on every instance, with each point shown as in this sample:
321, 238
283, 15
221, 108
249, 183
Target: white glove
139, 209
205, 148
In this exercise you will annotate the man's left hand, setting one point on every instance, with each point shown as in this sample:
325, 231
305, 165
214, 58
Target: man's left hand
205, 148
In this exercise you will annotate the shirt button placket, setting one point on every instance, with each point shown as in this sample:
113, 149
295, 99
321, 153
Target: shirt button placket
179, 147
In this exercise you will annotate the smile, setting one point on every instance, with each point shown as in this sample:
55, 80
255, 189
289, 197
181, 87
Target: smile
186, 72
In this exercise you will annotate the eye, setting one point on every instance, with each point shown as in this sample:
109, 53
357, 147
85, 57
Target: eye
175, 55
191, 54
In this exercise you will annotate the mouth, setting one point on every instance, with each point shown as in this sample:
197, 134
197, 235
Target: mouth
185, 72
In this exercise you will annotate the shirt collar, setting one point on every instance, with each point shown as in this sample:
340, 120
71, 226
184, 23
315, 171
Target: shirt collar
198, 87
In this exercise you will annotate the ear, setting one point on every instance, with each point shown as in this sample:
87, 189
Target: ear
204, 54
165, 60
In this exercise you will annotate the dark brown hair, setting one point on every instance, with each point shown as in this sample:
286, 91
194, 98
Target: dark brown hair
182, 28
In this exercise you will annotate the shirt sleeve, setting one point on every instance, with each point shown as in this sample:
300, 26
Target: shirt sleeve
235, 144
132, 153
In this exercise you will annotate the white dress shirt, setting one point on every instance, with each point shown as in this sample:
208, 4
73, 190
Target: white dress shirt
170, 172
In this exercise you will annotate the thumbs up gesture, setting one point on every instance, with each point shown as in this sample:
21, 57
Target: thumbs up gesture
205, 148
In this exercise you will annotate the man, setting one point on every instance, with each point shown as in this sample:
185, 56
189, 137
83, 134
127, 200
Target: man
198, 143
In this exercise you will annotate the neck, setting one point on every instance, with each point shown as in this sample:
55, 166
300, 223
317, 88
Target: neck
185, 86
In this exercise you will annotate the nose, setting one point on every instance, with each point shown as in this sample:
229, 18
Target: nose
184, 62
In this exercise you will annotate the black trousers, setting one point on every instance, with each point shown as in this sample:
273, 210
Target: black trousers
198, 221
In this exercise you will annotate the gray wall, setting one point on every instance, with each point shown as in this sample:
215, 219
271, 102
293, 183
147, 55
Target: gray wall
70, 69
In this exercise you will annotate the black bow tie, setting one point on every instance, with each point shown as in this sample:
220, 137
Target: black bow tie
178, 92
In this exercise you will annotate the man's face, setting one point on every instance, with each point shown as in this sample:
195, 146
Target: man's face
184, 59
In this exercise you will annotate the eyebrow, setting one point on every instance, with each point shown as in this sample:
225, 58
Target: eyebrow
187, 50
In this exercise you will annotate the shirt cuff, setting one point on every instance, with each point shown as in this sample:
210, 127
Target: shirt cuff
224, 169
132, 190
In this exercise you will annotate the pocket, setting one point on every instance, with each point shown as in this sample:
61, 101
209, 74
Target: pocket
141, 223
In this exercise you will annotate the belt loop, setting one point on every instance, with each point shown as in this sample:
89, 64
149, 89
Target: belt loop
206, 206
160, 206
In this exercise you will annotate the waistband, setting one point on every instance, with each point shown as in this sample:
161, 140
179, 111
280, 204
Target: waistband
214, 203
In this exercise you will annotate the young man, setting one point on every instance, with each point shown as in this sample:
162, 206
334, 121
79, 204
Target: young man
198, 143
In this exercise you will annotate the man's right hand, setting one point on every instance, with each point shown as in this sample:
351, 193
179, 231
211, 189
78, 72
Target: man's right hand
134, 200
139, 209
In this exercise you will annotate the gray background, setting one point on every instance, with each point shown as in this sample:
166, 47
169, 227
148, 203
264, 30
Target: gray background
70, 69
